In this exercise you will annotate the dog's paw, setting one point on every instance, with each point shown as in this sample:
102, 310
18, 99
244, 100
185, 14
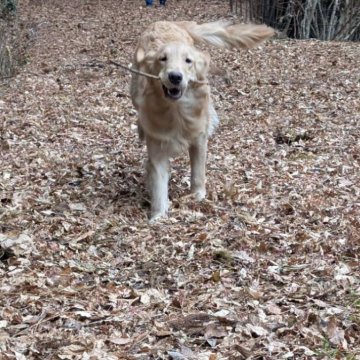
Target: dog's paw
156, 217
199, 194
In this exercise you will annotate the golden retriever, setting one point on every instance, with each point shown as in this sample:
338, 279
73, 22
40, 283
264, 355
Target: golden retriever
175, 111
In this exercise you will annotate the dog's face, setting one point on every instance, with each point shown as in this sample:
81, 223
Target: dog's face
177, 64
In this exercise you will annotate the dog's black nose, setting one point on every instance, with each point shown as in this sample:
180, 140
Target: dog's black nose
175, 77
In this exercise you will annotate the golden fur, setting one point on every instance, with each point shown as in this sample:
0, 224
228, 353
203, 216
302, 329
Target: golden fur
176, 112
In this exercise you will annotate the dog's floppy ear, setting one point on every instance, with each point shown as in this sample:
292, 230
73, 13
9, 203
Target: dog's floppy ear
201, 64
140, 55
144, 60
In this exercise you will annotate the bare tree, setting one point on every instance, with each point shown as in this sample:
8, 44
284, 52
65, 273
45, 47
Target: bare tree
304, 19
13, 38
7, 9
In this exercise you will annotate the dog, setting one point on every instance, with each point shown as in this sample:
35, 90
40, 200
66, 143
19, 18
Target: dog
175, 111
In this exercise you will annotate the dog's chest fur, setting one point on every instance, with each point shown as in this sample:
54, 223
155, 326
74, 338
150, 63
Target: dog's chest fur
177, 123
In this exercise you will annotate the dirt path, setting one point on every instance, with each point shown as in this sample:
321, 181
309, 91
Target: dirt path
266, 268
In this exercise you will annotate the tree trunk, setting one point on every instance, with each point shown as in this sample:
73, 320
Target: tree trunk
333, 21
308, 18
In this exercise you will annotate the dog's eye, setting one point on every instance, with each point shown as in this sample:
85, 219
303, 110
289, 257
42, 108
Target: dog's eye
189, 61
163, 58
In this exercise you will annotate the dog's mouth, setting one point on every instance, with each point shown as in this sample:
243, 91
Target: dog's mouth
172, 93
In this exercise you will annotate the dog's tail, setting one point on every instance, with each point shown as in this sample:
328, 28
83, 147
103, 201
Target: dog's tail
225, 35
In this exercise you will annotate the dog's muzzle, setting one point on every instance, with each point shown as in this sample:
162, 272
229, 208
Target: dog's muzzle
175, 77
173, 90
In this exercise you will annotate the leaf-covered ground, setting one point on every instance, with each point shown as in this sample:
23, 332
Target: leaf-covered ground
266, 268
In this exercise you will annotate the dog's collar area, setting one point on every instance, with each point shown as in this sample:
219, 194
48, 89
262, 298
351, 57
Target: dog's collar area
173, 93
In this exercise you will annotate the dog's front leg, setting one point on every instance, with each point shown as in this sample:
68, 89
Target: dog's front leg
158, 178
197, 153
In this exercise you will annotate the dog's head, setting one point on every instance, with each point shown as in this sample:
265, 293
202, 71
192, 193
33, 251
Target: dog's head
176, 64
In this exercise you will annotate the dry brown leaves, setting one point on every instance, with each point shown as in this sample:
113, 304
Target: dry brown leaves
266, 268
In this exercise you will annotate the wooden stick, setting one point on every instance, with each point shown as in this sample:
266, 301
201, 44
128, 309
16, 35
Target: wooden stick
134, 71
138, 72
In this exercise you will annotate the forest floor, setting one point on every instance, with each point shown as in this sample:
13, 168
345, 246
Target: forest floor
267, 267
